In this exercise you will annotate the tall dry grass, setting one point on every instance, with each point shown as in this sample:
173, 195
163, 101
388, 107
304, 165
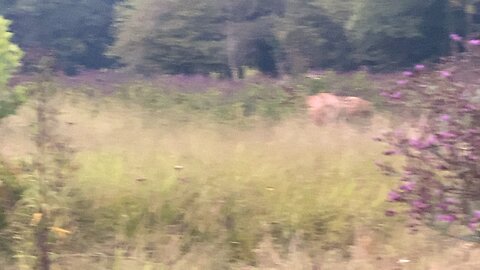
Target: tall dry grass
155, 193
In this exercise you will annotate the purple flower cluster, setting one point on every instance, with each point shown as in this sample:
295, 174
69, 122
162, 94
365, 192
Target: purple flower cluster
407, 73
397, 93
445, 74
456, 37
402, 82
419, 67
425, 143
474, 42
394, 196
447, 218
474, 223
441, 148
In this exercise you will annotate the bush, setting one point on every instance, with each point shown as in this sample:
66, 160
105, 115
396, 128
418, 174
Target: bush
440, 181
224, 101
10, 54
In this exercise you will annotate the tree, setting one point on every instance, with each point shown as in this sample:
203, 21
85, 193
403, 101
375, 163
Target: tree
250, 34
77, 31
196, 37
10, 56
311, 38
170, 36
398, 33
10, 190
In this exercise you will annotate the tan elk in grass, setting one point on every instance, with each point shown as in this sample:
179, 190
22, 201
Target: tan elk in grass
325, 107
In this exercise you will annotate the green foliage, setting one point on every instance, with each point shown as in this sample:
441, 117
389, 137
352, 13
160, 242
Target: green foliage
211, 36
312, 39
10, 54
189, 39
10, 193
292, 37
41, 215
398, 33
254, 102
223, 36
358, 84
77, 32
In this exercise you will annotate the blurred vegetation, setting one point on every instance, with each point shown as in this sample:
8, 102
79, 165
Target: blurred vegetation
274, 36
167, 173
193, 169
75, 32
189, 174
10, 56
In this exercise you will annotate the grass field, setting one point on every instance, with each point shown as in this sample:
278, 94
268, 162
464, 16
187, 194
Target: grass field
180, 190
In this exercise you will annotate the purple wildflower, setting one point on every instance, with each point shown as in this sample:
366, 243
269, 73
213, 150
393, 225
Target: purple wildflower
443, 206
419, 67
402, 82
473, 226
394, 196
472, 157
396, 95
446, 218
469, 108
445, 117
419, 204
476, 214
407, 73
455, 37
445, 74
430, 141
451, 201
474, 42
416, 143
408, 186
446, 135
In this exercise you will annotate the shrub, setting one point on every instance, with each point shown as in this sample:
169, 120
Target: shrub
224, 101
440, 181
10, 56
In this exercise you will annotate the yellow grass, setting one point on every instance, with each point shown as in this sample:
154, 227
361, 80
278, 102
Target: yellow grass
283, 195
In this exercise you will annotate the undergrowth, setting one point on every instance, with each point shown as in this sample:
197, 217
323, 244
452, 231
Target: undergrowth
213, 180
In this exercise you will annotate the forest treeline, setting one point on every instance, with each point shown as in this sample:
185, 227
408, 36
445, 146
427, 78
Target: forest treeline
224, 36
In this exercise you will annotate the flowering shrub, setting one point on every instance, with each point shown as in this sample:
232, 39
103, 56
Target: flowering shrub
440, 147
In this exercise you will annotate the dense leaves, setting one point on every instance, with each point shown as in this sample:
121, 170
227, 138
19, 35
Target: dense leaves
440, 179
398, 33
274, 36
312, 38
171, 37
10, 54
76, 32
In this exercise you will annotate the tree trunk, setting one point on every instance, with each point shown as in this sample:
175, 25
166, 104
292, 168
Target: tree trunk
232, 46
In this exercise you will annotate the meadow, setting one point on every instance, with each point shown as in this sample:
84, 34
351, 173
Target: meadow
223, 177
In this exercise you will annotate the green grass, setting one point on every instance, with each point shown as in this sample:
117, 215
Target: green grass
275, 188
